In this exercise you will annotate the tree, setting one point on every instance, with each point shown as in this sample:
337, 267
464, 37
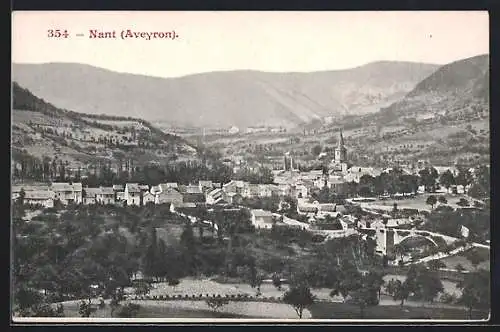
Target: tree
299, 296
442, 200
349, 280
477, 191
20, 199
428, 178
399, 249
464, 177
428, 285
85, 308
475, 290
463, 202
215, 303
398, 290
142, 288
447, 179
173, 282
316, 150
277, 281
431, 200
474, 257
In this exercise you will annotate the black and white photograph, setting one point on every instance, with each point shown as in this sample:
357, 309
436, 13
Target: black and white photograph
250, 166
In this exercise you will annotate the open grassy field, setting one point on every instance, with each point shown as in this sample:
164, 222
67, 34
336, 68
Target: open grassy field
346, 311
452, 261
417, 202
196, 309
319, 310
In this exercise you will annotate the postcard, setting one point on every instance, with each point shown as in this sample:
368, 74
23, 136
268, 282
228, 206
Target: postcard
237, 166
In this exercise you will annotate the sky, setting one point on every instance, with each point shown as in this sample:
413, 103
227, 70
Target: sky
267, 41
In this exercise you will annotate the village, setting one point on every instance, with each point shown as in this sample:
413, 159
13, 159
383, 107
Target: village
333, 217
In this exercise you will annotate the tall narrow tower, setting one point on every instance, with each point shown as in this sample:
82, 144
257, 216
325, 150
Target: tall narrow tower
340, 151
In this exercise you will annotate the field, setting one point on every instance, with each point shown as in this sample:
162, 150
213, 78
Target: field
346, 311
417, 202
452, 261
196, 309
319, 310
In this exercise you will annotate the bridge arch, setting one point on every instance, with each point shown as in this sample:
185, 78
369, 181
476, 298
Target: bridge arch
416, 236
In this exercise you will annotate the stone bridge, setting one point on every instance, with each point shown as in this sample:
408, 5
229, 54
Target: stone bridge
387, 238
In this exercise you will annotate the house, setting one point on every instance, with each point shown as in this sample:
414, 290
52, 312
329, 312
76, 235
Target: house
120, 197
143, 188
298, 191
40, 197
118, 187
338, 185
171, 185
233, 130
90, 195
205, 184
106, 195
340, 208
214, 196
78, 192
63, 192
265, 190
155, 190
274, 190
133, 194
17, 189
190, 189
308, 209
148, 197
251, 190
284, 189
231, 198
262, 219
327, 207
235, 187
168, 195
193, 198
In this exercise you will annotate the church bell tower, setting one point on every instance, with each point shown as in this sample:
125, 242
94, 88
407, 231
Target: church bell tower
341, 151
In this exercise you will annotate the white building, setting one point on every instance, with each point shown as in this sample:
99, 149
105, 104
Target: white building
39, 197
132, 194
262, 219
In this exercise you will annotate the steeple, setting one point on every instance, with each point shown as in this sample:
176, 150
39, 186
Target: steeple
340, 151
341, 141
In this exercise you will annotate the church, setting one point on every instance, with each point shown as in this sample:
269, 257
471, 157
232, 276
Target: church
339, 163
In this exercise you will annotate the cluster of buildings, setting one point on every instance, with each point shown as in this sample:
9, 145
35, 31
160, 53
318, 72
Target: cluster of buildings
287, 182
130, 194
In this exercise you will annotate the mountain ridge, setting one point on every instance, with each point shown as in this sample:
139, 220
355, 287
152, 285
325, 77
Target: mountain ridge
224, 98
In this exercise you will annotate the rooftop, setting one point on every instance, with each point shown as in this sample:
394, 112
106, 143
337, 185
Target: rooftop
107, 190
261, 213
39, 194
61, 186
133, 187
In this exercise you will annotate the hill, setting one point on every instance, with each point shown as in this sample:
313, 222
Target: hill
40, 129
444, 119
222, 99
458, 89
